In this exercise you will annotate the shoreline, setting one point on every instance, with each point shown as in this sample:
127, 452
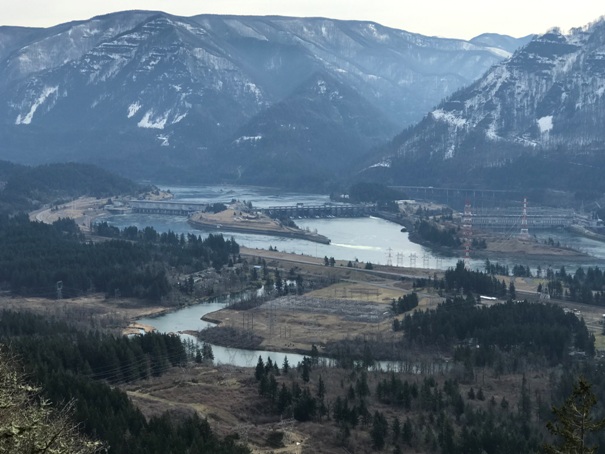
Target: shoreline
230, 227
583, 231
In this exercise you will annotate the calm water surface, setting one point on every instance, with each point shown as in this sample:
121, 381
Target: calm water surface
366, 239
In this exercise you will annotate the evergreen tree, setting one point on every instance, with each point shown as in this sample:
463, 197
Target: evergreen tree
260, 369
525, 401
286, 365
574, 421
321, 388
380, 427
512, 292
396, 428
407, 432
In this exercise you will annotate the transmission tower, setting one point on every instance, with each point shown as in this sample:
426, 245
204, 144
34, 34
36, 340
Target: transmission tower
399, 259
389, 257
59, 290
413, 260
425, 261
524, 234
467, 231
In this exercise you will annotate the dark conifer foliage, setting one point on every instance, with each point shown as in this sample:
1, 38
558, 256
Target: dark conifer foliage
460, 279
526, 328
68, 364
35, 256
405, 303
28, 187
429, 232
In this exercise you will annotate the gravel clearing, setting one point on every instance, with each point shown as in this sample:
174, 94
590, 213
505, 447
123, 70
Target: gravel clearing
350, 310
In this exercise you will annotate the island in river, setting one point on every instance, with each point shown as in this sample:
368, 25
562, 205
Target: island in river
239, 218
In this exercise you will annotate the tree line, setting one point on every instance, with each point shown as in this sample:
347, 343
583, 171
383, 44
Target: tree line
387, 411
27, 188
522, 328
430, 233
73, 366
35, 257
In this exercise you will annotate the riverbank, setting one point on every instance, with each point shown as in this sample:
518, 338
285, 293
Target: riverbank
517, 249
116, 315
87, 210
235, 220
583, 231
83, 210
513, 247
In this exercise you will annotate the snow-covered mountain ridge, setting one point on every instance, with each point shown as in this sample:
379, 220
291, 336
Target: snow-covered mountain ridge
546, 102
154, 89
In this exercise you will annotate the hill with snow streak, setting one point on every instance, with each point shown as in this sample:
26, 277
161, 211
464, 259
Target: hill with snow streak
534, 120
155, 95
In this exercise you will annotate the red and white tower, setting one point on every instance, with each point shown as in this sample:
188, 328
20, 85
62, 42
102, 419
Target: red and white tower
467, 232
524, 234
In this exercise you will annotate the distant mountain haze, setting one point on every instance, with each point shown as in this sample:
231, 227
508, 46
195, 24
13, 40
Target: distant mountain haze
269, 100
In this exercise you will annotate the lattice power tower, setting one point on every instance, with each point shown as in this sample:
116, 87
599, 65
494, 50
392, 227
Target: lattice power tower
467, 232
524, 233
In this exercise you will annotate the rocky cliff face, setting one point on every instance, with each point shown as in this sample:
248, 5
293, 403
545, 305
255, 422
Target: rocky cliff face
149, 93
544, 106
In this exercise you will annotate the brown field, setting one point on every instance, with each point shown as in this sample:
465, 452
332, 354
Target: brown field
351, 302
116, 315
228, 397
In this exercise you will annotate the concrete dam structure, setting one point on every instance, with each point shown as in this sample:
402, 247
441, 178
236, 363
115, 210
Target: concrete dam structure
319, 211
166, 207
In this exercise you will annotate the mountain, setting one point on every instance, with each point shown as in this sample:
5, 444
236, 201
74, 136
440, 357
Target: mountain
503, 42
159, 96
534, 120
292, 135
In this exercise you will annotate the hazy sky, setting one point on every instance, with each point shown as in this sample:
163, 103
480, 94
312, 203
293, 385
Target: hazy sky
446, 18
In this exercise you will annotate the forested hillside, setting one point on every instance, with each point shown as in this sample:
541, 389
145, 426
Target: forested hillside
35, 256
68, 365
24, 188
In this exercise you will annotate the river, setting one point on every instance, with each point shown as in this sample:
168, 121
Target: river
366, 239
190, 319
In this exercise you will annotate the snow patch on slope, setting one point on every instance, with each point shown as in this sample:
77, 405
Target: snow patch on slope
248, 139
545, 124
133, 109
27, 119
491, 132
149, 121
385, 163
376, 34
500, 52
322, 86
164, 140
448, 117
178, 118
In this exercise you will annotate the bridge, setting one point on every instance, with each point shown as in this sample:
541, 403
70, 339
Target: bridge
166, 207
321, 211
